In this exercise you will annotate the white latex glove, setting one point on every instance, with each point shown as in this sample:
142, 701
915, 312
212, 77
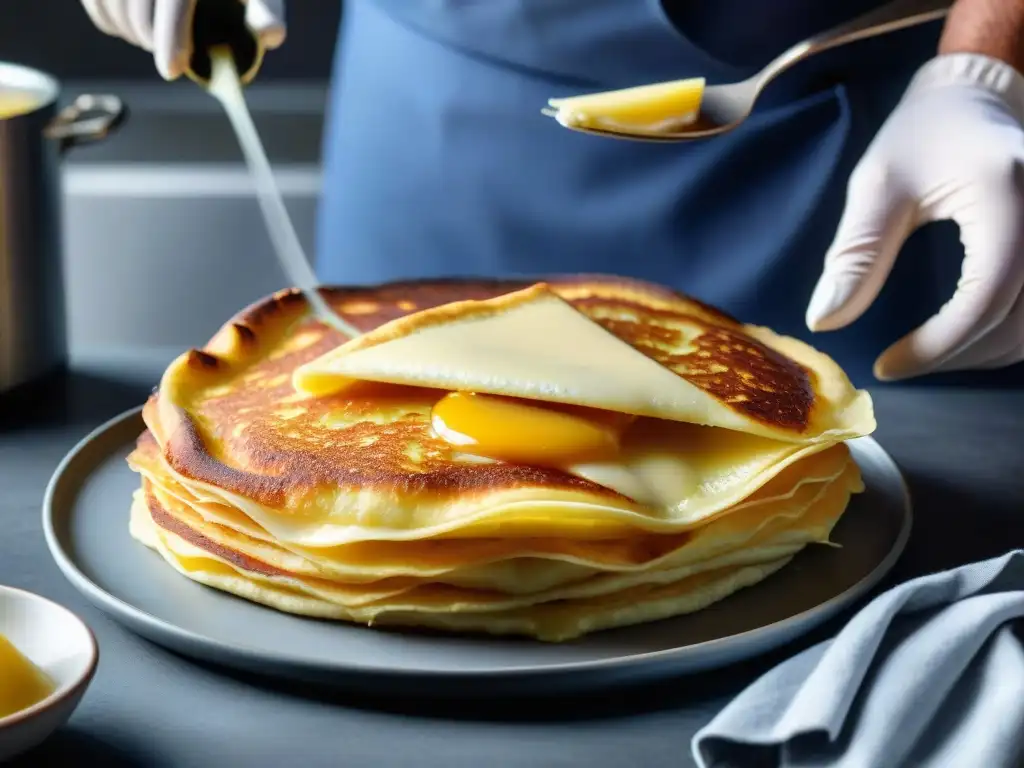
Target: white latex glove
164, 26
952, 149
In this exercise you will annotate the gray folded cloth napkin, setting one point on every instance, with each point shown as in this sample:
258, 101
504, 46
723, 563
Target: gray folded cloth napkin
930, 673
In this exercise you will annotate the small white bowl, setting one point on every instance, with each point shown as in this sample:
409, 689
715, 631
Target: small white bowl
58, 642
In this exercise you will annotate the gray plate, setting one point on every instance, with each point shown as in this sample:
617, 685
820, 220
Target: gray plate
85, 517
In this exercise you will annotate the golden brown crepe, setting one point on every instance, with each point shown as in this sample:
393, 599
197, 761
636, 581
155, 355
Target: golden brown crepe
338, 499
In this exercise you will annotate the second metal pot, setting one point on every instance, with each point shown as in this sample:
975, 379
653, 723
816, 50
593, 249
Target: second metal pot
32, 314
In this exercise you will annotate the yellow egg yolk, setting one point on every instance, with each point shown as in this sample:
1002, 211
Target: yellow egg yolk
526, 432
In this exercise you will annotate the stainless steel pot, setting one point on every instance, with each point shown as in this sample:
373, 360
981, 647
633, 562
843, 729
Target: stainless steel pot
32, 317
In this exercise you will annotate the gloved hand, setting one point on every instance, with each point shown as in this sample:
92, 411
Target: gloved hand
164, 26
952, 149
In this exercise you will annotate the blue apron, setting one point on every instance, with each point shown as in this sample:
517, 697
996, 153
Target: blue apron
437, 161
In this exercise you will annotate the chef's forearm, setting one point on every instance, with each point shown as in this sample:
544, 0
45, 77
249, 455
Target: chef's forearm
991, 27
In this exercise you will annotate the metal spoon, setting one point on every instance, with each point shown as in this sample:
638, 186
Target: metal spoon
725, 107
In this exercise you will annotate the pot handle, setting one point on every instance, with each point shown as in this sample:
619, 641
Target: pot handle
89, 118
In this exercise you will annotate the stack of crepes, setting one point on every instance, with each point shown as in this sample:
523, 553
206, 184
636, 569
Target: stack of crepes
618, 454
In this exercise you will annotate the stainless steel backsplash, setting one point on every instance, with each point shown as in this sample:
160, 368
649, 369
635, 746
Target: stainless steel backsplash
163, 238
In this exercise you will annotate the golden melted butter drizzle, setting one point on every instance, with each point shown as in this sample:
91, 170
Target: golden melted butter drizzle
226, 87
523, 432
22, 683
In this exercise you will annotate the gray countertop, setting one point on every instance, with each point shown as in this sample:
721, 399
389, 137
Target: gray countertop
962, 451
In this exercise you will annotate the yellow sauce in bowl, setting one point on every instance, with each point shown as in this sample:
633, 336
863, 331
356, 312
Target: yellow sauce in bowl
22, 683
